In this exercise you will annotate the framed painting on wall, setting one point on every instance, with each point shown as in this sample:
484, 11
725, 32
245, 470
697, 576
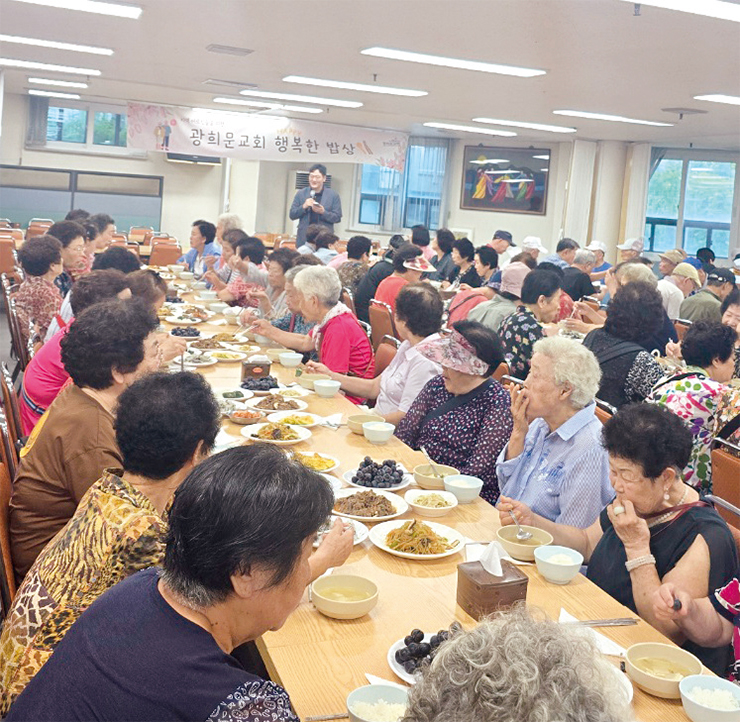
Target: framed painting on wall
505, 180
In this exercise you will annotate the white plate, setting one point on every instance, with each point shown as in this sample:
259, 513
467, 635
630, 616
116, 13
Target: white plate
177, 321
185, 338
296, 391
398, 503
336, 484
247, 349
361, 531
251, 433
334, 460
405, 481
239, 356
252, 403
379, 533
278, 416
398, 670
204, 360
247, 395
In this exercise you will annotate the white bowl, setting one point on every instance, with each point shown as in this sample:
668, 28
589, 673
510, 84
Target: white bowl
372, 693
697, 712
465, 488
412, 497
557, 572
218, 306
175, 268
523, 551
290, 359
207, 295
376, 432
185, 275
337, 609
326, 388
200, 286
651, 683
261, 340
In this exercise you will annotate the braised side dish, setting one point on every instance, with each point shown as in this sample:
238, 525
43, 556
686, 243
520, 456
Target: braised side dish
365, 503
275, 402
276, 432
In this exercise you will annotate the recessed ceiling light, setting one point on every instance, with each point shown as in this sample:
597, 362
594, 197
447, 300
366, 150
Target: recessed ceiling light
719, 98
32, 65
541, 157
531, 126
53, 94
361, 87
301, 98
440, 60
53, 44
471, 129
228, 50
710, 8
118, 10
603, 116
58, 83
229, 83
269, 106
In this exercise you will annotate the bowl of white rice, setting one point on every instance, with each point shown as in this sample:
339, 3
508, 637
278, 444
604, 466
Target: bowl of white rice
377, 703
710, 699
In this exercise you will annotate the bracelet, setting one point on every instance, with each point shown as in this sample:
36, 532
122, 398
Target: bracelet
639, 562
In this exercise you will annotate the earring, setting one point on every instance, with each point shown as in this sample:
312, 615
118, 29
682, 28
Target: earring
666, 496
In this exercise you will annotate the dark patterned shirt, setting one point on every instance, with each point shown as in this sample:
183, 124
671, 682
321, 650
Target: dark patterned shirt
519, 333
351, 273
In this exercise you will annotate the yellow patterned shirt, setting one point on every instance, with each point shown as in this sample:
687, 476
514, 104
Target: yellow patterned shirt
115, 532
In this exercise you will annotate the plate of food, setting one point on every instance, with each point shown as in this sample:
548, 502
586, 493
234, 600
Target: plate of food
279, 434
336, 484
183, 320
388, 474
295, 392
228, 356
407, 655
234, 394
230, 338
194, 357
369, 505
295, 419
206, 343
314, 460
185, 332
276, 402
361, 531
417, 539
261, 386
190, 309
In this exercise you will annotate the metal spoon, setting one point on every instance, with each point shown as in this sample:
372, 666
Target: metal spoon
521, 535
431, 463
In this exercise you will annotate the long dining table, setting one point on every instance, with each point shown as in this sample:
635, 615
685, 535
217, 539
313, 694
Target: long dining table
319, 660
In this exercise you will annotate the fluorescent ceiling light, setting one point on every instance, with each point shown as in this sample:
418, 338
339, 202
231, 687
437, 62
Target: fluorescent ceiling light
57, 83
719, 98
118, 10
32, 65
54, 44
531, 126
440, 60
710, 8
471, 129
53, 94
269, 106
612, 118
361, 87
541, 157
301, 98
545, 170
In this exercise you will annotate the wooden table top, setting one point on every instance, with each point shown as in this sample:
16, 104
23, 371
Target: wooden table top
320, 660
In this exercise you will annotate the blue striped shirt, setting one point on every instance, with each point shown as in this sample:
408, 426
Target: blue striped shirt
562, 475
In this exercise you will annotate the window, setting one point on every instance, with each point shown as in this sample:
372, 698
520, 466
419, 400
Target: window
109, 129
90, 127
690, 201
68, 125
389, 200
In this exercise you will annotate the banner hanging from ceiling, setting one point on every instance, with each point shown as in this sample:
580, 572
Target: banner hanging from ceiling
198, 131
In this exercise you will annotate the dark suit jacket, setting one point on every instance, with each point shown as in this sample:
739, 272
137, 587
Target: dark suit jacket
305, 216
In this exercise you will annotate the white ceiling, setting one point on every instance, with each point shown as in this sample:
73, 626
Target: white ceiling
597, 54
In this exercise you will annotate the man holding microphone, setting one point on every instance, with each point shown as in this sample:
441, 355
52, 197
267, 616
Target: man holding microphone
315, 204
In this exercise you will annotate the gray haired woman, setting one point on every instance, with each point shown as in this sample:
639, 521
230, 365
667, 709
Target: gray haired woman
514, 668
554, 461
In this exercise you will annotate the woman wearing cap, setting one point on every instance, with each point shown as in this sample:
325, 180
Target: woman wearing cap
462, 417
504, 303
408, 267
655, 531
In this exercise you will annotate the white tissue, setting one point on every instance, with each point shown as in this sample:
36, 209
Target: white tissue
604, 644
258, 359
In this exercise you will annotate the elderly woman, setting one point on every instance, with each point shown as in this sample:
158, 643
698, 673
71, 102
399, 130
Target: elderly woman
418, 317
202, 245
272, 301
516, 667
731, 317
554, 461
656, 530
108, 347
337, 337
250, 278
237, 561
628, 371
540, 298
72, 237
408, 267
462, 417
220, 270
326, 247
694, 393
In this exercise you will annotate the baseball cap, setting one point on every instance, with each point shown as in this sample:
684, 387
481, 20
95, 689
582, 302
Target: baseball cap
721, 275
512, 278
596, 246
687, 271
533, 243
695, 262
674, 256
504, 236
632, 244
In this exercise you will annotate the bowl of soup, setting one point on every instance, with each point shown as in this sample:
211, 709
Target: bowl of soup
425, 477
306, 380
344, 596
523, 550
356, 421
658, 668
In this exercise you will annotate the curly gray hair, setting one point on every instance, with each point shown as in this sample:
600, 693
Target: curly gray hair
515, 667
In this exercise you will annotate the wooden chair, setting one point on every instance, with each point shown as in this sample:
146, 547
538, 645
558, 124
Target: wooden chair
348, 300
7, 453
138, 233
7, 255
19, 339
284, 243
5, 223
7, 576
681, 326
366, 328
11, 406
385, 353
17, 236
163, 254
726, 478
120, 243
501, 370
119, 236
604, 411
381, 322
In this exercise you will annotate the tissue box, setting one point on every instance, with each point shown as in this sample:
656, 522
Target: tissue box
255, 369
481, 594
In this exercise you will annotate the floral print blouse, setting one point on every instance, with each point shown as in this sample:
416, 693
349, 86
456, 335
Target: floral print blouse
519, 333
36, 301
693, 396
728, 407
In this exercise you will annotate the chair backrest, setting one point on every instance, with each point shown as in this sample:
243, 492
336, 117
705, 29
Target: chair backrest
7, 576
348, 300
133, 247
385, 353
18, 335
284, 243
121, 243
681, 326
119, 236
366, 328
7, 452
381, 322
7, 258
726, 482
501, 370
10, 404
164, 254
604, 411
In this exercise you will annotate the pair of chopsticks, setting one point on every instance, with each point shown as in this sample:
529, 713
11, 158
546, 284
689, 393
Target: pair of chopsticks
618, 622
322, 717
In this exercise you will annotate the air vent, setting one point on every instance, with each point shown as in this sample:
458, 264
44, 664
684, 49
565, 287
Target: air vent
229, 83
198, 159
301, 180
228, 50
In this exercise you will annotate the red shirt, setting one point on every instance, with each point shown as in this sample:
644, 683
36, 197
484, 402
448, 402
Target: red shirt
388, 289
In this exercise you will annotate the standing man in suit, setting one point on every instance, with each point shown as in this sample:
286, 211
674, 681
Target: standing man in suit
315, 204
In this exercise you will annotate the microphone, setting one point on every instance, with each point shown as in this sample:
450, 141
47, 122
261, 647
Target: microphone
313, 193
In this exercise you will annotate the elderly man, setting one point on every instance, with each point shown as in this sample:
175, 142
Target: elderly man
533, 246
315, 204
705, 304
681, 283
668, 261
503, 244
564, 254
630, 249
577, 277
602, 266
